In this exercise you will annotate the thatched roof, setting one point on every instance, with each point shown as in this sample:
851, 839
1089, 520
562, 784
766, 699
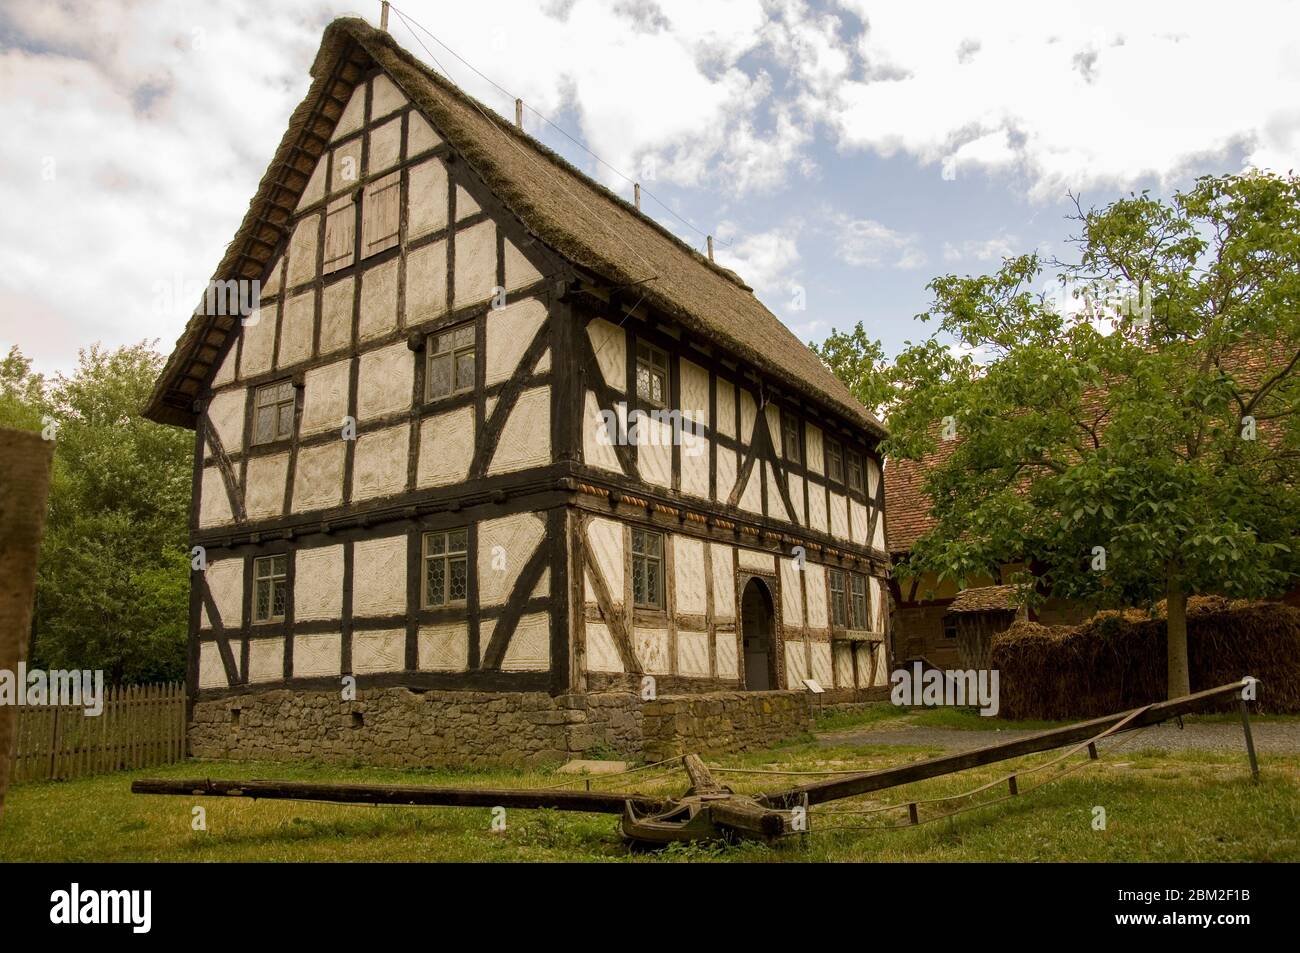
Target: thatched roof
565, 209
985, 599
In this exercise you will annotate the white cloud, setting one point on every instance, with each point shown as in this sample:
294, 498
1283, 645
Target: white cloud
767, 261
867, 243
986, 250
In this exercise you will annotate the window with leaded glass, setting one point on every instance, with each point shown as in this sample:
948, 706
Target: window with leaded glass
859, 603
834, 462
856, 481
790, 437
647, 569
839, 607
270, 588
651, 374
450, 368
446, 568
273, 410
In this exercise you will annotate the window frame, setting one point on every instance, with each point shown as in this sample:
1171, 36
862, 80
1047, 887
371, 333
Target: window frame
863, 623
834, 455
791, 449
651, 369
282, 576
646, 558
447, 557
453, 353
279, 404
838, 597
855, 471
948, 624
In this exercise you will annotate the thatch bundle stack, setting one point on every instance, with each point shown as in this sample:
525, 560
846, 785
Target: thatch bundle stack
1116, 660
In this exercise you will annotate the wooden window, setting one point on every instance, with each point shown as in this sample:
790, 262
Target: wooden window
450, 368
446, 568
790, 437
860, 603
856, 477
834, 461
950, 627
340, 234
647, 569
270, 588
380, 214
273, 410
839, 604
651, 374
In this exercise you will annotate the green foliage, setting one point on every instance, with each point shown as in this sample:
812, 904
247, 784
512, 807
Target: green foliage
113, 580
860, 363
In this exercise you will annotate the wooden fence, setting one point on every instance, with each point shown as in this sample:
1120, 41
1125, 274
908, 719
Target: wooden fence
141, 726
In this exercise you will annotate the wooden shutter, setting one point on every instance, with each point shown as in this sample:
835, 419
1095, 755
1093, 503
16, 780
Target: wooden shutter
380, 214
340, 233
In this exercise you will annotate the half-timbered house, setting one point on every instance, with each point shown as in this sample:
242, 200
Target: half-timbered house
494, 433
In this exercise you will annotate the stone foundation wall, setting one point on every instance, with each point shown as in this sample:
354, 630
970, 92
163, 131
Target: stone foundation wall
400, 727
722, 722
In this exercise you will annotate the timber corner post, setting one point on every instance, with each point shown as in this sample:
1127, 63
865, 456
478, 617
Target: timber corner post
25, 463
1250, 684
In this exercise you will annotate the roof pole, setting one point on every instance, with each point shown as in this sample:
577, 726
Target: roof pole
710, 238
383, 16
519, 113
636, 194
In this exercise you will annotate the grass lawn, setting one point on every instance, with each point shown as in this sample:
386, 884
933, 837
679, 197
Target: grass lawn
1159, 807
888, 715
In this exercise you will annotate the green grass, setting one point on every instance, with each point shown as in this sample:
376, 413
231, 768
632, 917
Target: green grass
1160, 807
888, 715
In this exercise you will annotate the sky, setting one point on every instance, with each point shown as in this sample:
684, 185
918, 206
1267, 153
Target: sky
843, 154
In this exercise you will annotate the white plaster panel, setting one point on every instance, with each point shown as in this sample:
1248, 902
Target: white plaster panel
695, 392
773, 414
345, 171
385, 146
385, 380
302, 251
858, 514
466, 205
378, 301
543, 362
318, 585
748, 416
751, 499
728, 655
379, 576
791, 592
510, 331
597, 442
843, 652
879, 541
602, 654
526, 438
815, 589
379, 463
812, 441
226, 370
426, 282
273, 275
315, 188
336, 316
378, 650
652, 650
264, 493
212, 673
796, 484
446, 448
476, 262
724, 581
796, 664
693, 653
318, 477
839, 516
876, 589
317, 655
605, 542
609, 342
755, 560
726, 471
816, 507
688, 571
654, 444
266, 660
520, 272
225, 582
259, 343
354, 114
498, 569
530, 645
296, 335
420, 136
444, 648
325, 398
427, 205
775, 502
226, 412
695, 465
821, 663
726, 408
385, 97
214, 502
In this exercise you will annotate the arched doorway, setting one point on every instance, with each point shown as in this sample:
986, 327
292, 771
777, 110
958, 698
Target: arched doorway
758, 636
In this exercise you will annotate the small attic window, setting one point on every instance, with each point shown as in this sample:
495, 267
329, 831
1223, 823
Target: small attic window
273, 412
380, 214
651, 374
451, 364
340, 232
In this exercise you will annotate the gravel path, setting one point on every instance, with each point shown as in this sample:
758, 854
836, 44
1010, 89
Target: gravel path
1271, 737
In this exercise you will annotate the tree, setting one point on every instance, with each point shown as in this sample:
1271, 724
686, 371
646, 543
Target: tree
1143, 446
113, 577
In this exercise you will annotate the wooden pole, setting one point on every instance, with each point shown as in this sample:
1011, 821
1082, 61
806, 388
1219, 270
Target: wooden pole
1250, 741
710, 241
383, 16
636, 194
519, 113
25, 464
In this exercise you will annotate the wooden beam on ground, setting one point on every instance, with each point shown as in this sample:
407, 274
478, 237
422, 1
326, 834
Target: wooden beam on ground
594, 802
820, 792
